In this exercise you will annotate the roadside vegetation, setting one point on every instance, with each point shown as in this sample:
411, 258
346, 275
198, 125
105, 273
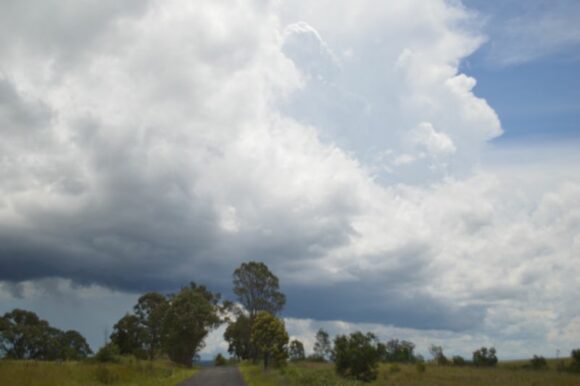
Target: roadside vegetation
157, 342
323, 374
128, 372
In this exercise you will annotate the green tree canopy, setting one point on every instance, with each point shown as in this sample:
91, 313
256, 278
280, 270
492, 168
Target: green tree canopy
438, 355
129, 336
238, 334
257, 289
191, 314
269, 336
296, 351
73, 346
23, 335
322, 345
150, 311
485, 357
399, 351
357, 356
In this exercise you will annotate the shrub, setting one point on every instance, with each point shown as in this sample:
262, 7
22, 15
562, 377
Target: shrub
220, 360
108, 353
575, 365
357, 356
438, 356
484, 357
458, 360
398, 351
538, 363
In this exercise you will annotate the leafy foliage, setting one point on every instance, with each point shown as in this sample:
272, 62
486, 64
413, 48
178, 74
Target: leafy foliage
296, 351
109, 353
73, 346
399, 351
322, 346
257, 289
129, 336
23, 335
357, 356
238, 334
438, 356
150, 311
191, 314
270, 338
484, 357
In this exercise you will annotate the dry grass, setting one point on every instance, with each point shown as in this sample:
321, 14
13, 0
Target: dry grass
127, 373
509, 374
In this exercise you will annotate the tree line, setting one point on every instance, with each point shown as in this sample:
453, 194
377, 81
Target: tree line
175, 326
23, 335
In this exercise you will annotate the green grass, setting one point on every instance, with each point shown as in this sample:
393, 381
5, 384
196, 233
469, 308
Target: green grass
127, 373
303, 374
308, 374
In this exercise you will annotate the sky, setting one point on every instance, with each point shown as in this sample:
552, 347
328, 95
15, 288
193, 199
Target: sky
409, 168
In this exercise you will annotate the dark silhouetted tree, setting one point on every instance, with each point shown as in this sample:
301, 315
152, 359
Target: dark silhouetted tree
438, 356
129, 336
484, 357
322, 345
575, 364
150, 311
296, 351
458, 360
257, 289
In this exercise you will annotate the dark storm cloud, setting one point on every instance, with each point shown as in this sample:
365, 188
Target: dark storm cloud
369, 302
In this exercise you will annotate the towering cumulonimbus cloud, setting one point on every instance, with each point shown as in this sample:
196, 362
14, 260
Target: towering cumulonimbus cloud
152, 143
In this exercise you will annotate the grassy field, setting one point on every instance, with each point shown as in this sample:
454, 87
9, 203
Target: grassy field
308, 374
127, 373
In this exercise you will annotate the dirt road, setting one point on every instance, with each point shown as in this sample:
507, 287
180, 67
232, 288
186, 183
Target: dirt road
216, 376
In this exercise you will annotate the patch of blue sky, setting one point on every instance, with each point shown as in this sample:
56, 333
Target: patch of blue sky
536, 92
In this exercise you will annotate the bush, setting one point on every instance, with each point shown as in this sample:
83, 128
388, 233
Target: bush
108, 353
357, 356
458, 360
538, 363
575, 365
438, 356
220, 360
484, 357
